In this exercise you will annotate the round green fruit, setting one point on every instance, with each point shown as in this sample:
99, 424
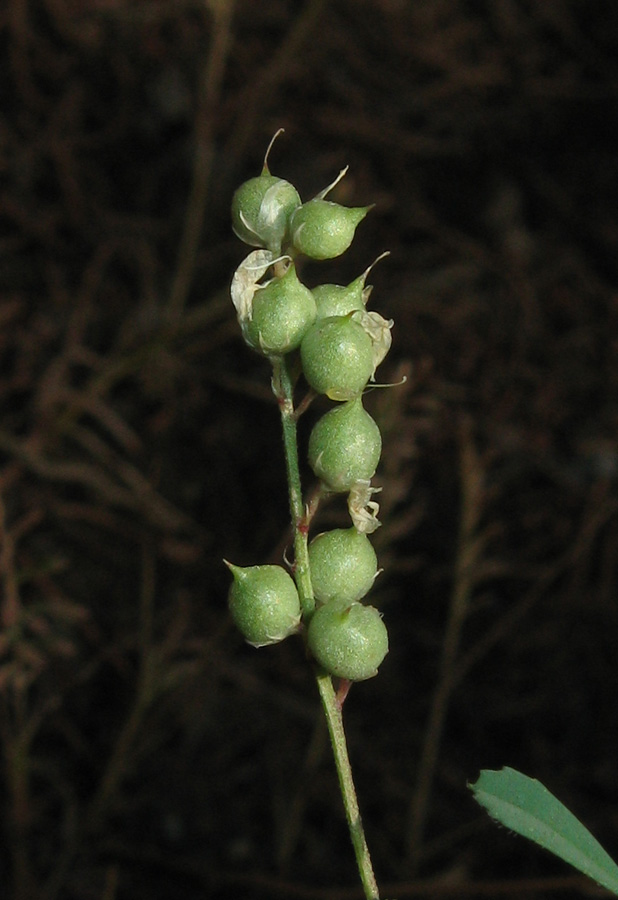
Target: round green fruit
343, 564
339, 299
345, 446
261, 209
322, 229
348, 640
282, 312
264, 603
337, 357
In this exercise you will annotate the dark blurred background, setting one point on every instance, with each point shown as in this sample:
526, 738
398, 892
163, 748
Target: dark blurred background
147, 752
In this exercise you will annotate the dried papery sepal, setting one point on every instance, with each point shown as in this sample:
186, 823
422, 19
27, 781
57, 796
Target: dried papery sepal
363, 510
378, 330
246, 279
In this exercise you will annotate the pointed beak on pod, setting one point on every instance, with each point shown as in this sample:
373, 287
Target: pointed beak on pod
261, 208
322, 229
340, 344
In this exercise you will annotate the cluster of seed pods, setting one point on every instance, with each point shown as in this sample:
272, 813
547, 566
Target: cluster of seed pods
340, 344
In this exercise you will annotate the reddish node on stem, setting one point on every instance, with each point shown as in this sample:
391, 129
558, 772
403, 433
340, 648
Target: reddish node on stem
342, 692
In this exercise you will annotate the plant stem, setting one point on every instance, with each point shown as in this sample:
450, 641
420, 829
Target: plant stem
334, 719
283, 389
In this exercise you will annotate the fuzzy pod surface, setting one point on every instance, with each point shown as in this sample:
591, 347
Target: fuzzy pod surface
322, 229
348, 640
264, 603
343, 564
345, 446
281, 314
261, 209
339, 299
337, 357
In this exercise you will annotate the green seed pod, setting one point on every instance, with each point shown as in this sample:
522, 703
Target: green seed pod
337, 357
343, 564
339, 299
261, 208
345, 446
322, 229
264, 603
281, 314
348, 640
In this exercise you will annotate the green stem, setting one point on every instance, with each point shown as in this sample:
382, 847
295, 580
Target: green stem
283, 389
334, 719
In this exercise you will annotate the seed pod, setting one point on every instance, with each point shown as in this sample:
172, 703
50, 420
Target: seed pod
264, 603
345, 446
348, 640
281, 314
261, 208
339, 299
322, 229
343, 564
337, 357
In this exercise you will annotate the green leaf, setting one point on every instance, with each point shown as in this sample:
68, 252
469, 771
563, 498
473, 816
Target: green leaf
524, 805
